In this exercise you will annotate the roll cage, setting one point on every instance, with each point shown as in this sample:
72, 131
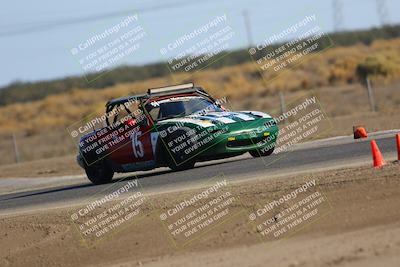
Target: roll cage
153, 94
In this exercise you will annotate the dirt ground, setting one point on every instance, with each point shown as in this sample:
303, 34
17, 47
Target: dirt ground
52, 153
66, 165
358, 226
57, 166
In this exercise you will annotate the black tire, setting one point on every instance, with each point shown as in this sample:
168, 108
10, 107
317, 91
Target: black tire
261, 153
99, 173
178, 161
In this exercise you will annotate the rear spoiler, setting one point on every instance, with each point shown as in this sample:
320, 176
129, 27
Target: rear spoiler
176, 89
160, 91
172, 88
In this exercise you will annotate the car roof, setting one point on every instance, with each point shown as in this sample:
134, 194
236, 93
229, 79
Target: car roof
159, 92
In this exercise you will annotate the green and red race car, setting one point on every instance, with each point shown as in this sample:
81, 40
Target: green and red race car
175, 127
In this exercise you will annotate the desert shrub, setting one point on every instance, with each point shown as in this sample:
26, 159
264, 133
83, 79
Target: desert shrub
375, 66
337, 65
27, 91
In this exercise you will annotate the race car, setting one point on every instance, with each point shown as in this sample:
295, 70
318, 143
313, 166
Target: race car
175, 127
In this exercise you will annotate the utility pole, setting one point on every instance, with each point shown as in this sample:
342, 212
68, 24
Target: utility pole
337, 15
16, 151
370, 95
247, 25
382, 12
282, 102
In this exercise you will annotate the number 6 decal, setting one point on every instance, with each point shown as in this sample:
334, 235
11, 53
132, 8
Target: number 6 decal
137, 145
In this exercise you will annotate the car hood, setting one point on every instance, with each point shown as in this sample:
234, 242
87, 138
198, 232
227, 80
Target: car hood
219, 118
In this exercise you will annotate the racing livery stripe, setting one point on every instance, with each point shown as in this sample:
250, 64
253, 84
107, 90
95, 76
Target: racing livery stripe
190, 120
225, 117
219, 119
258, 113
244, 116
236, 117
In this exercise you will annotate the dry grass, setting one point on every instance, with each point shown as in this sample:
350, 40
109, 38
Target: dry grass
334, 67
331, 75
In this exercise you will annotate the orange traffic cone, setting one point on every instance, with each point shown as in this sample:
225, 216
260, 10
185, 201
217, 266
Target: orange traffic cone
398, 146
359, 132
377, 155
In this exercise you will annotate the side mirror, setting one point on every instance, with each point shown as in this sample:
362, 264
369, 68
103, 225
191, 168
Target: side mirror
131, 122
222, 107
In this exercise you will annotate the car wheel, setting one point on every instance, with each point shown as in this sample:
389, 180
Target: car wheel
179, 161
99, 173
261, 153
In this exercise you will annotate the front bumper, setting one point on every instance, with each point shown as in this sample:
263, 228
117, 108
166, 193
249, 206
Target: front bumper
242, 141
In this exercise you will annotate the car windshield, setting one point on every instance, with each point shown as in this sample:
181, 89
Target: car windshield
180, 106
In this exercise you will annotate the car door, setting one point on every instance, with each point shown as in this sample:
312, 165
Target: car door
137, 151
142, 143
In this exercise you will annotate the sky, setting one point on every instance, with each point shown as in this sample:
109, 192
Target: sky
36, 37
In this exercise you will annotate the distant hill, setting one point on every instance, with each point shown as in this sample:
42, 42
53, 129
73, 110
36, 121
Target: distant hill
334, 68
18, 92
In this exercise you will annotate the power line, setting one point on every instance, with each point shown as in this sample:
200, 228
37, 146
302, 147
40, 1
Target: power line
44, 26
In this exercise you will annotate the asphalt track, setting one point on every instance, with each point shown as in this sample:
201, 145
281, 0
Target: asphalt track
325, 155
